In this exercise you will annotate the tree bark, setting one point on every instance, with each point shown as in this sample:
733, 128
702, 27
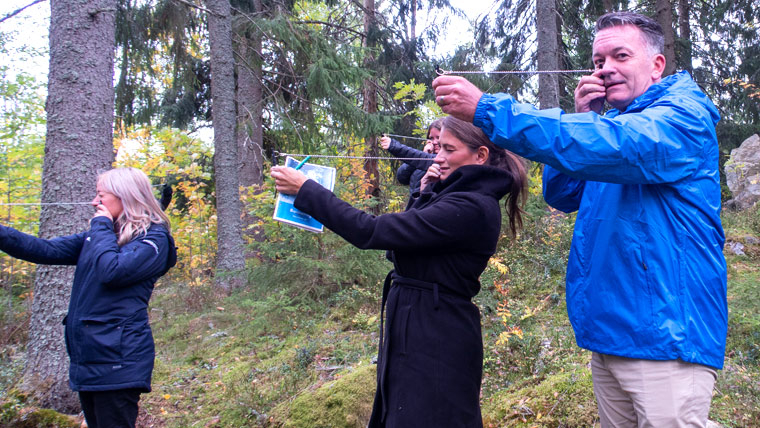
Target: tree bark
371, 173
548, 53
230, 260
664, 16
79, 144
249, 97
684, 27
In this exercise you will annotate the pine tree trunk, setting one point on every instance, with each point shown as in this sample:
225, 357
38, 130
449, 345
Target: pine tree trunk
548, 53
250, 132
371, 173
664, 16
684, 27
79, 145
230, 260
249, 97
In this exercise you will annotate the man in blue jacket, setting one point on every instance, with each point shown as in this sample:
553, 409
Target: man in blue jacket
646, 276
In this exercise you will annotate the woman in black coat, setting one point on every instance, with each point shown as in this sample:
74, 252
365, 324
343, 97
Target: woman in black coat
431, 351
118, 260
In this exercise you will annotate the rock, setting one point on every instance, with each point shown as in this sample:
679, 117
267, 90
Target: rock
736, 248
743, 174
751, 240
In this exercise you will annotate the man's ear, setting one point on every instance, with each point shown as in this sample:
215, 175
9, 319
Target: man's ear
658, 63
482, 155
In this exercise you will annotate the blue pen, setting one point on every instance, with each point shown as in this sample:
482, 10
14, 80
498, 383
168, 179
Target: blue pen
300, 164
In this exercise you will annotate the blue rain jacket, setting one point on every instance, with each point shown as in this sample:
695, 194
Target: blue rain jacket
646, 276
108, 337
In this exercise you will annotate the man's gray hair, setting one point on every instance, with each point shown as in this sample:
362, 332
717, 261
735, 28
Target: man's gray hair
650, 29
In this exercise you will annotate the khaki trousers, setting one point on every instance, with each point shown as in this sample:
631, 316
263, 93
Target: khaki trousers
646, 393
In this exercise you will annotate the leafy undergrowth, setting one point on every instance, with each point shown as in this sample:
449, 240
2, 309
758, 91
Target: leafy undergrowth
294, 348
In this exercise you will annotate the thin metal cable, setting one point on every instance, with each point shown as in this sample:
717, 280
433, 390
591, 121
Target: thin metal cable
406, 136
43, 203
442, 72
347, 156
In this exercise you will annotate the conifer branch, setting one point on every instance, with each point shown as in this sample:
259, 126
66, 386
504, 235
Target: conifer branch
19, 10
201, 8
329, 24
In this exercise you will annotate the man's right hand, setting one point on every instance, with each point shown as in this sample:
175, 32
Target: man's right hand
457, 96
385, 142
590, 93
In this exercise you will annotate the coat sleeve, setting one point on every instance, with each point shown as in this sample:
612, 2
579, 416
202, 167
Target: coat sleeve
422, 160
561, 191
448, 223
143, 258
661, 144
404, 174
57, 251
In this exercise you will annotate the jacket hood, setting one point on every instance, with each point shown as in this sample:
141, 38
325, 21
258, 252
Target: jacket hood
483, 179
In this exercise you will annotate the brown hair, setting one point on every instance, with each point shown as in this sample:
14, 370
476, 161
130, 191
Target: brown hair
434, 124
473, 137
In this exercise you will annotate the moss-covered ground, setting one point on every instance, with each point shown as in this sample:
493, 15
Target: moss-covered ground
295, 347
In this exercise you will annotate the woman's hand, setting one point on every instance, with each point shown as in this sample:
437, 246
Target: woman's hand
432, 175
287, 180
428, 147
102, 211
385, 142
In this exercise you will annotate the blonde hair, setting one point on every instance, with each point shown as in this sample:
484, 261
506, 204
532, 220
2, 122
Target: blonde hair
140, 207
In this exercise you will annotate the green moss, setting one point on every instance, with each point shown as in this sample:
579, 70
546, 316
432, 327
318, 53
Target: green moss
16, 413
346, 402
563, 399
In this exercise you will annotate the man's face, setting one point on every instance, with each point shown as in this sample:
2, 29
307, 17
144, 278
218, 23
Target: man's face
628, 67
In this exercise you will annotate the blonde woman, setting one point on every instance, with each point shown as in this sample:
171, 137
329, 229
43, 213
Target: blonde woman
126, 249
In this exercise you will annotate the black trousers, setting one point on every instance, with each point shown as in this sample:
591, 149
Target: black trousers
110, 409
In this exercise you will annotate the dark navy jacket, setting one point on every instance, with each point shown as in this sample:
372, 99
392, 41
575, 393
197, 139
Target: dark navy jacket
412, 171
108, 337
430, 369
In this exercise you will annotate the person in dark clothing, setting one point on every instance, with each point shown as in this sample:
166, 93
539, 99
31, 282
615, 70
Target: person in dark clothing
118, 260
411, 171
431, 352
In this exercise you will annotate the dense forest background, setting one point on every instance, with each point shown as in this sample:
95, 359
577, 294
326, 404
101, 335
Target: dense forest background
263, 324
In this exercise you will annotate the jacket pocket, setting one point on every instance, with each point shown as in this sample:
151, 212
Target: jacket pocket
100, 339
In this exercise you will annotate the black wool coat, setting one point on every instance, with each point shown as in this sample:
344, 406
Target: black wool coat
431, 360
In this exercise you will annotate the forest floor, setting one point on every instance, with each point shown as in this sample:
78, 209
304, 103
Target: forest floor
296, 347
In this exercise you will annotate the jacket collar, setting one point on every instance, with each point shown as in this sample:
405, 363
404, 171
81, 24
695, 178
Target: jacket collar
482, 179
680, 81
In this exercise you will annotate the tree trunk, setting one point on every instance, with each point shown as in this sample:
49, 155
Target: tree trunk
413, 38
79, 144
249, 97
250, 133
372, 175
664, 16
548, 53
684, 27
230, 260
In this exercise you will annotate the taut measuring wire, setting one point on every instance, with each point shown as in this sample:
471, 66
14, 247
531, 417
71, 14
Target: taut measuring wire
300, 155
15, 204
441, 72
42, 203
